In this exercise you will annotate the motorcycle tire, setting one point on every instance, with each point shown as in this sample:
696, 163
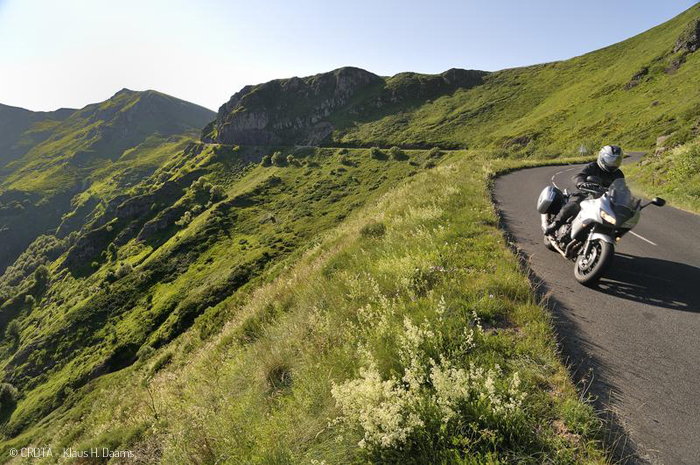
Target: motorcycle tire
589, 273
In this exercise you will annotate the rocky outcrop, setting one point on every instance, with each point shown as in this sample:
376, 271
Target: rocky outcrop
689, 40
303, 111
638, 77
287, 111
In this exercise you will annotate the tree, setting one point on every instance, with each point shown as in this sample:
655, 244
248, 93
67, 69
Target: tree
266, 160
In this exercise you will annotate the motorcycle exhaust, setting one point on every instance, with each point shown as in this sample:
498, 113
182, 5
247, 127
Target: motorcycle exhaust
557, 248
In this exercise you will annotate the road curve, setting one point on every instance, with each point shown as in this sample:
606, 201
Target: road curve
635, 339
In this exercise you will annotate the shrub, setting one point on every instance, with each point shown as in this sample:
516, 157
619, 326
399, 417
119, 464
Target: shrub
266, 160
397, 154
8, 396
12, 331
145, 352
185, 220
29, 300
292, 161
277, 159
41, 275
429, 164
435, 152
112, 251
217, 192
124, 269
162, 361
376, 153
374, 230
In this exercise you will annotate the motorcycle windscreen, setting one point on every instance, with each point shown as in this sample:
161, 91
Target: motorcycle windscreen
623, 202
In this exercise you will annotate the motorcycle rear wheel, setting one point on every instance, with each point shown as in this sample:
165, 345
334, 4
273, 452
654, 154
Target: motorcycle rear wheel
588, 270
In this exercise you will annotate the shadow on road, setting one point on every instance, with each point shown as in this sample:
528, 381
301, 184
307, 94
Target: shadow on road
653, 281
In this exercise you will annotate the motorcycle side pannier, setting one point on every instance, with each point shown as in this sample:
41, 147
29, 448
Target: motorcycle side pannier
550, 201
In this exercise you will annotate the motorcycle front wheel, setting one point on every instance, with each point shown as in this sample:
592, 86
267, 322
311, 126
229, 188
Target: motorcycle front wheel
588, 269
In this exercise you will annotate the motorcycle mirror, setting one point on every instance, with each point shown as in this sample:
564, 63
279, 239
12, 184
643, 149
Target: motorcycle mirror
658, 201
594, 179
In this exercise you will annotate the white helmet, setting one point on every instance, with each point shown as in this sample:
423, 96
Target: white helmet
610, 158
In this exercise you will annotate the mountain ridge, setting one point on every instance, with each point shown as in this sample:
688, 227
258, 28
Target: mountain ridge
80, 151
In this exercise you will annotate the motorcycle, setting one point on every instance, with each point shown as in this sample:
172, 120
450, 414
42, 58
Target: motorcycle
589, 238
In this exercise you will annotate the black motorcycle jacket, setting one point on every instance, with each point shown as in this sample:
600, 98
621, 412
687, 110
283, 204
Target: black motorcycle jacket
592, 169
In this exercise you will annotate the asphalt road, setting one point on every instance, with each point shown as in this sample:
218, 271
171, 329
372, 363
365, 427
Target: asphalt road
634, 341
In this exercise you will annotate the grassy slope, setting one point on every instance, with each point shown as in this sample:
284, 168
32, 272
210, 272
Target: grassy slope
673, 174
560, 105
66, 166
84, 323
21, 129
404, 339
376, 334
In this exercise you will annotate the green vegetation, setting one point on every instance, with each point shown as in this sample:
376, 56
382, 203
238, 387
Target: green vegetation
628, 93
210, 302
54, 176
404, 332
673, 174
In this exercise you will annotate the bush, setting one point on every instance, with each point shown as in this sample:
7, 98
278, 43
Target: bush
12, 331
292, 161
435, 152
29, 300
429, 164
374, 230
277, 159
162, 361
217, 192
112, 251
185, 220
376, 153
145, 352
41, 275
397, 154
8, 396
124, 269
266, 160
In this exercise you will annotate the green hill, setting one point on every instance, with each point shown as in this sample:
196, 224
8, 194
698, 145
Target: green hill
273, 284
56, 167
628, 93
21, 129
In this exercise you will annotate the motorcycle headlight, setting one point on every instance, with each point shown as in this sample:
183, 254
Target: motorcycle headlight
608, 217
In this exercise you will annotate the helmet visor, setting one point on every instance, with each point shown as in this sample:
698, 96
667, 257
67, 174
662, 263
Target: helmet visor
611, 161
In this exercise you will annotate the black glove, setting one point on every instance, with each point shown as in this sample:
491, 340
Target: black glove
588, 185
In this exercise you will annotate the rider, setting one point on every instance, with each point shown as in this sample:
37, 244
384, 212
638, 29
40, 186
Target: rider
607, 168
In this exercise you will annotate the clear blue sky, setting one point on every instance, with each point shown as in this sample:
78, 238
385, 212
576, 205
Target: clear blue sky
68, 53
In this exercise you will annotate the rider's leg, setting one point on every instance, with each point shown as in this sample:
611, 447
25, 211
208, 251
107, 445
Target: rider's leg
569, 210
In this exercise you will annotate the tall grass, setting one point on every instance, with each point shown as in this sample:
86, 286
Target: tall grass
420, 344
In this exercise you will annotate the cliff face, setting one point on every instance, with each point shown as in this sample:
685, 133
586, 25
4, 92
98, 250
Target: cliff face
306, 111
291, 111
